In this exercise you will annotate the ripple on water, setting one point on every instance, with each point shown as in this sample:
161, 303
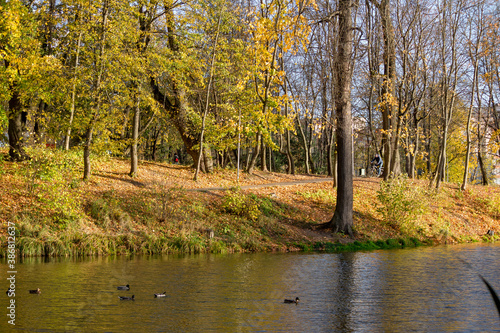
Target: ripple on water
410, 290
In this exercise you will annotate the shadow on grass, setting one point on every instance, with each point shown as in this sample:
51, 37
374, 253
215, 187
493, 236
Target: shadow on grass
168, 166
126, 180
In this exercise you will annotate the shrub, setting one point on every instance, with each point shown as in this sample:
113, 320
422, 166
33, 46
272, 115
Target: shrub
237, 203
401, 203
267, 206
51, 176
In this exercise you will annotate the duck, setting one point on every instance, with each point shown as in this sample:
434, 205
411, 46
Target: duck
9, 290
123, 298
127, 287
35, 291
296, 301
161, 295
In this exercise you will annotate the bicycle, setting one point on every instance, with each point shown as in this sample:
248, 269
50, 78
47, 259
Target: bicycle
374, 170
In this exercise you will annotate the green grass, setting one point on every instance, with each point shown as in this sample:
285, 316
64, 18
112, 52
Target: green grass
325, 197
360, 246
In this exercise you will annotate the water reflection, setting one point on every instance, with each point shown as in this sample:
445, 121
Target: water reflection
426, 289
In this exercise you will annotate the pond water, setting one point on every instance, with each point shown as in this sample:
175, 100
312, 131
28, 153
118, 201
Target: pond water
428, 289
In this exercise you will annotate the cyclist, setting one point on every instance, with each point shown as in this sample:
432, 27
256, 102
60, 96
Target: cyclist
378, 163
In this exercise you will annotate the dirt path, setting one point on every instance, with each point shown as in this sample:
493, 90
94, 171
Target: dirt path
247, 187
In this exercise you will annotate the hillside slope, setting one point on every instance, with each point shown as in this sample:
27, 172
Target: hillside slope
164, 211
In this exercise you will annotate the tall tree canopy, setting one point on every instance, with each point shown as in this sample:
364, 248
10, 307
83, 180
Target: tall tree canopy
267, 83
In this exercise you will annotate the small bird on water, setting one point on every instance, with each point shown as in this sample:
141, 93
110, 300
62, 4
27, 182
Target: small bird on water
35, 291
123, 298
161, 295
127, 287
296, 301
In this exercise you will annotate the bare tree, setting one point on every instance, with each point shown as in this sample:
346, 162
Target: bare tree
449, 20
474, 36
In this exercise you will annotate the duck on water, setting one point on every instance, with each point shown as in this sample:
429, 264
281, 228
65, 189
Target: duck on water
296, 300
123, 298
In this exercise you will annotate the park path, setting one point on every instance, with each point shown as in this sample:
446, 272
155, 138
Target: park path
246, 187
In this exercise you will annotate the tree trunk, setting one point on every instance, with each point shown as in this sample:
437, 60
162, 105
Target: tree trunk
176, 104
263, 158
272, 161
255, 155
304, 141
342, 220
484, 174
388, 113
205, 112
428, 138
86, 152
154, 148
135, 136
474, 49
247, 158
38, 118
309, 153
331, 155
450, 21
413, 155
17, 122
329, 160
335, 167
291, 164
469, 118
96, 109
73, 94
480, 138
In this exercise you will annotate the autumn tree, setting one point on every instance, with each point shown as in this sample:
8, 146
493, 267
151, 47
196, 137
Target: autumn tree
172, 93
278, 27
21, 63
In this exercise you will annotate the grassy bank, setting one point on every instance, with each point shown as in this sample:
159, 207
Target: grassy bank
164, 211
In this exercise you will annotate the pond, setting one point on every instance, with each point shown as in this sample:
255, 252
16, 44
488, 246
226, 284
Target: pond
427, 289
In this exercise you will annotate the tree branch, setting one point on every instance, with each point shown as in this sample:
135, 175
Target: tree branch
328, 18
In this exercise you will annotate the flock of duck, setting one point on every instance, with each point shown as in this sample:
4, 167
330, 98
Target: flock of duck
127, 287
